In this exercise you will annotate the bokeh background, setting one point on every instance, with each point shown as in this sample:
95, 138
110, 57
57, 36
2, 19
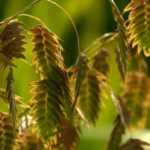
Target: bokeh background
92, 18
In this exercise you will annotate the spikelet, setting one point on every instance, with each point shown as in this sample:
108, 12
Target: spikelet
66, 138
116, 135
12, 40
138, 25
28, 140
7, 132
90, 96
122, 43
119, 19
90, 81
100, 62
121, 28
48, 60
81, 72
51, 93
136, 97
47, 106
46, 52
18, 99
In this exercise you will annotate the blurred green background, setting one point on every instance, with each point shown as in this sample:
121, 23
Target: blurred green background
92, 18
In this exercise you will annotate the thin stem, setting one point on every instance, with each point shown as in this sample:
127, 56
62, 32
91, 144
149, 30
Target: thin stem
28, 7
34, 18
76, 100
72, 23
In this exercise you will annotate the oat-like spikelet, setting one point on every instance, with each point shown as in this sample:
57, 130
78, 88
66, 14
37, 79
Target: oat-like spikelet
51, 93
116, 135
81, 73
47, 51
48, 59
29, 140
138, 25
121, 28
136, 97
12, 40
7, 132
90, 96
100, 62
89, 83
47, 106
66, 138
